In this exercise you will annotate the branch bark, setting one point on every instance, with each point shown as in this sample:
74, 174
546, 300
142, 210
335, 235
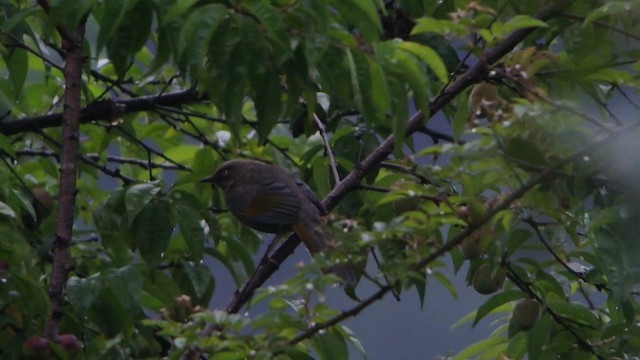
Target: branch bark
68, 175
102, 110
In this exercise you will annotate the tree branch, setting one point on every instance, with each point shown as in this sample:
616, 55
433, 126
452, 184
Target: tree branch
327, 148
68, 174
102, 110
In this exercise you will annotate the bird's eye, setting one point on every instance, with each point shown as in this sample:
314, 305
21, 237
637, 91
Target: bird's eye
225, 172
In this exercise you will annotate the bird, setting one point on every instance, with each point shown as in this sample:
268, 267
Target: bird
270, 199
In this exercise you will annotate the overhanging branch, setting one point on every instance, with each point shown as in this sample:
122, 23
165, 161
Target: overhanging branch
103, 110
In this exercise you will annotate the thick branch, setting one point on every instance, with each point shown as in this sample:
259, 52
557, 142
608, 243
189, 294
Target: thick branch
68, 171
102, 110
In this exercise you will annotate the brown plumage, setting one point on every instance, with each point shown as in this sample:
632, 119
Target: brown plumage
270, 199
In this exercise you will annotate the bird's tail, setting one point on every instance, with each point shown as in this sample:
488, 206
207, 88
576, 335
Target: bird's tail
316, 240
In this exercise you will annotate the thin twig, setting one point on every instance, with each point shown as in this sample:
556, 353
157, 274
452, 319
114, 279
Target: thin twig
406, 170
105, 170
95, 157
327, 148
562, 262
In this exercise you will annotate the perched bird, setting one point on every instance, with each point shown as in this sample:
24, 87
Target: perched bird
270, 199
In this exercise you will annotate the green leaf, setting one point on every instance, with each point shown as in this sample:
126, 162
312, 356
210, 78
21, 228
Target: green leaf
426, 55
521, 22
16, 60
362, 14
461, 116
480, 347
189, 215
443, 27
18, 17
196, 35
153, 228
273, 24
446, 283
178, 9
201, 280
355, 83
6, 210
330, 345
495, 301
68, 13
32, 293
578, 313
112, 15
25, 201
610, 8
268, 101
138, 196
82, 292
126, 285
131, 34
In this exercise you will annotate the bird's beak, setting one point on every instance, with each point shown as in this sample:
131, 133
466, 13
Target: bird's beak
208, 179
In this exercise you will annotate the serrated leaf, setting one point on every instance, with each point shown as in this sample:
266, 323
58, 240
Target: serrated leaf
112, 15
274, 26
268, 101
362, 14
131, 34
138, 196
426, 55
196, 35
153, 228
495, 301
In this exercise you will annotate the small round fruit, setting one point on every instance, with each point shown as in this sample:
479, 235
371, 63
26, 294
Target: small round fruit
70, 343
526, 314
484, 282
36, 347
471, 247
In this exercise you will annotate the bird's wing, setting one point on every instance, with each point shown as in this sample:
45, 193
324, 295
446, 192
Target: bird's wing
273, 204
309, 194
